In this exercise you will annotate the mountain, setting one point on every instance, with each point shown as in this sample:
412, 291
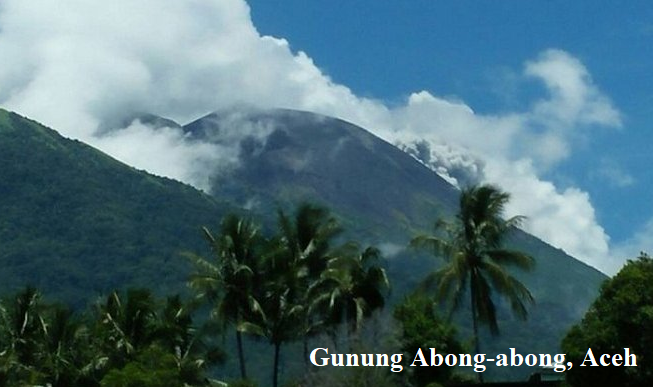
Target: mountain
288, 156
384, 196
76, 223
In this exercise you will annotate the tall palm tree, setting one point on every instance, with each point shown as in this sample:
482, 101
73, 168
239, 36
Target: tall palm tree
306, 244
282, 314
473, 246
352, 287
293, 260
227, 281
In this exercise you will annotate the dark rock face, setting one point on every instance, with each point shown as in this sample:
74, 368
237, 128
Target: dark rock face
293, 156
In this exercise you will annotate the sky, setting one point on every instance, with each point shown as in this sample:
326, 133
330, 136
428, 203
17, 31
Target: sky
550, 100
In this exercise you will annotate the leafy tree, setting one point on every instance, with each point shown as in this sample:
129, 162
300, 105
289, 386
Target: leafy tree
473, 246
127, 327
422, 327
152, 368
621, 317
47, 344
227, 280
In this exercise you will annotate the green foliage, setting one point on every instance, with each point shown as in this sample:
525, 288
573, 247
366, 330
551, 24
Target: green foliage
473, 246
153, 368
129, 340
226, 280
290, 286
422, 327
295, 258
42, 343
351, 288
621, 317
76, 223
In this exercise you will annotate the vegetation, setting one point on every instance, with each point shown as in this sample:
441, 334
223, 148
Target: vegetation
473, 245
293, 284
289, 286
227, 280
422, 327
127, 340
352, 288
76, 224
621, 317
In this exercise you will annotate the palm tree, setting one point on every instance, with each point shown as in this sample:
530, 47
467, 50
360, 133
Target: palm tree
307, 238
23, 332
228, 279
126, 325
294, 259
305, 244
67, 358
281, 316
177, 335
352, 287
473, 246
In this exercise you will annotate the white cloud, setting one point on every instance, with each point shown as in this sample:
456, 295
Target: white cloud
564, 218
641, 241
186, 159
574, 98
75, 65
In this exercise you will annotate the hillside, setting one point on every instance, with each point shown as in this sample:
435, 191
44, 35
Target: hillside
76, 223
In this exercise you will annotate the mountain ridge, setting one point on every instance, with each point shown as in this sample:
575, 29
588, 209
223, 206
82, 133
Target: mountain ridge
70, 207
76, 223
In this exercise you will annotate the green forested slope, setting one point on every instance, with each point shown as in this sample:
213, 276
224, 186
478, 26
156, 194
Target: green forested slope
76, 223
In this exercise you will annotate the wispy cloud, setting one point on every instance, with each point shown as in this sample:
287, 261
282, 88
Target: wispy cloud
613, 174
641, 241
75, 66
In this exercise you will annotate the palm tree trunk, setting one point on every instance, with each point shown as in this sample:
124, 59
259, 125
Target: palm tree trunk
241, 355
275, 371
477, 344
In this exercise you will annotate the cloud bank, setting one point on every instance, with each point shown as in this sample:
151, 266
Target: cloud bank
79, 66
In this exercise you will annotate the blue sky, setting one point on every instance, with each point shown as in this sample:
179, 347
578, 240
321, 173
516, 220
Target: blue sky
474, 51
551, 100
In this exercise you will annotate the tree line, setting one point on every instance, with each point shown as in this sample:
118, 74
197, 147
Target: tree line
291, 286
